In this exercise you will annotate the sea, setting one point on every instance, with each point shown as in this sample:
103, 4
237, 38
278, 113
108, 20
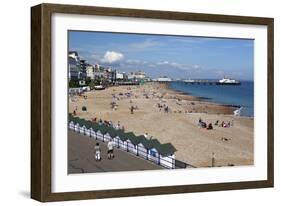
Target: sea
241, 96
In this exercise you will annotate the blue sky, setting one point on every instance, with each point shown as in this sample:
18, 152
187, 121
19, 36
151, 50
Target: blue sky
160, 55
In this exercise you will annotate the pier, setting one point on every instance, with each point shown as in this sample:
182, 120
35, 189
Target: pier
200, 81
212, 81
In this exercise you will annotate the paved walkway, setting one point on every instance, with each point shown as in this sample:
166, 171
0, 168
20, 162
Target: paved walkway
81, 157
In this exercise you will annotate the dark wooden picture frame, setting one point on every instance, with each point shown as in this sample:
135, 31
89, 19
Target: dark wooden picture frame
41, 101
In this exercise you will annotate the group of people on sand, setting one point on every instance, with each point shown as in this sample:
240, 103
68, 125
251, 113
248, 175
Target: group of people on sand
109, 124
123, 95
164, 107
113, 105
202, 124
133, 108
75, 111
110, 154
225, 124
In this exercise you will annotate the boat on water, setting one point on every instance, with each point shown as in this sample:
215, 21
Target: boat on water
228, 81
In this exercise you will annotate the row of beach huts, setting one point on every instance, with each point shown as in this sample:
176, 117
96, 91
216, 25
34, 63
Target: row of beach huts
149, 149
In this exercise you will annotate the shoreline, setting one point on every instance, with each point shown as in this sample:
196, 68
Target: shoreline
226, 109
205, 99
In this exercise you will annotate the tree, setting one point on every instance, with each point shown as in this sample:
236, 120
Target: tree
92, 85
88, 81
73, 83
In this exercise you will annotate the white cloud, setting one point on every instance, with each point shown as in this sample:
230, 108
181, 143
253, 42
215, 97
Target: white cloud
171, 64
95, 56
219, 72
195, 66
184, 40
163, 63
111, 57
133, 61
147, 43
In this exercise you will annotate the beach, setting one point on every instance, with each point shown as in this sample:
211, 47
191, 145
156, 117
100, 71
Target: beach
172, 117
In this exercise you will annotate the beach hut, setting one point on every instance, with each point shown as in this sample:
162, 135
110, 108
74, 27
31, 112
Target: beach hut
142, 147
76, 127
153, 153
82, 126
82, 129
70, 117
120, 139
99, 134
71, 125
74, 123
124, 143
116, 141
116, 136
72, 120
92, 132
87, 128
108, 132
131, 142
167, 155
102, 132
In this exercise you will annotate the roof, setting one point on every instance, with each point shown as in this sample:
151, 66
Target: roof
166, 149
143, 141
114, 133
73, 53
132, 137
163, 149
102, 128
153, 143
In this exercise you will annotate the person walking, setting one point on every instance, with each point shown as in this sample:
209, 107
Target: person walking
97, 152
110, 154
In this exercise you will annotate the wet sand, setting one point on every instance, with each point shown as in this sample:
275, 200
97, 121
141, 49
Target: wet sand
232, 146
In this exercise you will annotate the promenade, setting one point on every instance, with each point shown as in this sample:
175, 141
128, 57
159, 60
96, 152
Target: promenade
81, 157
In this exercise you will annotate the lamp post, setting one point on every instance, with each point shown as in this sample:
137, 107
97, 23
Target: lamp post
213, 159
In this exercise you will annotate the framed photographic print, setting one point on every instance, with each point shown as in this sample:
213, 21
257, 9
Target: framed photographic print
130, 102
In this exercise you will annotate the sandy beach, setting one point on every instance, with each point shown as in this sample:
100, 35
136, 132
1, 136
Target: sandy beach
179, 126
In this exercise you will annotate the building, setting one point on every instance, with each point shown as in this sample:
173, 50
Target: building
162, 79
83, 69
96, 66
110, 75
74, 55
98, 73
90, 71
77, 68
137, 76
121, 76
74, 68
